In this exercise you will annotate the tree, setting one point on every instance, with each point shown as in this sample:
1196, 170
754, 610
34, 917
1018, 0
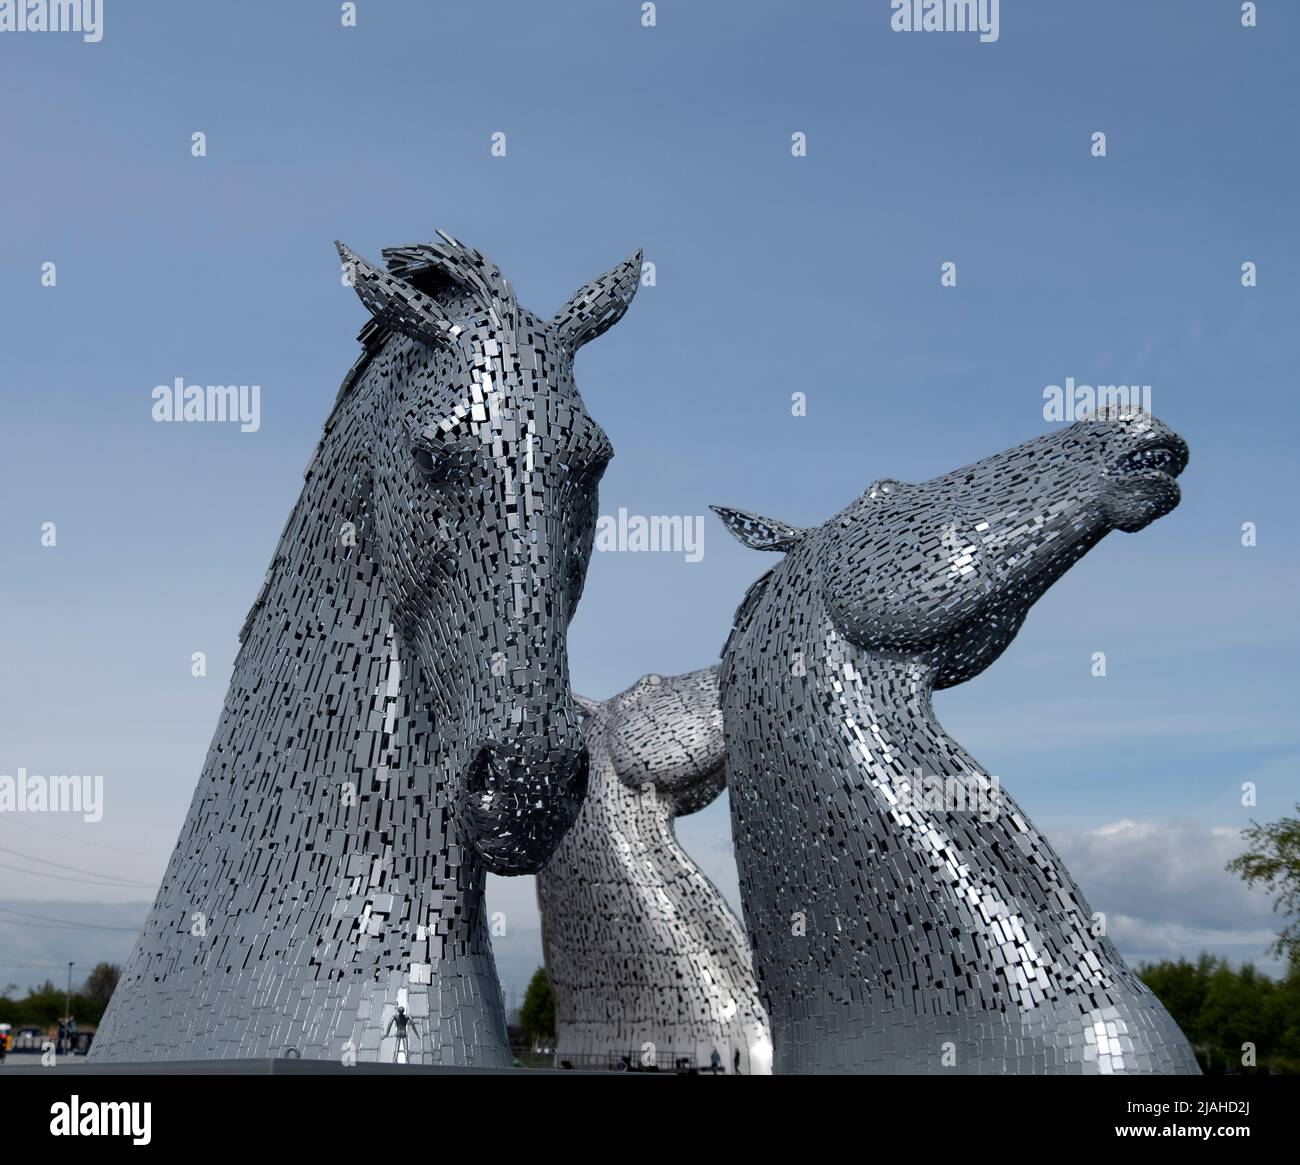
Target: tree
537, 1015
1239, 1010
43, 1005
1273, 861
101, 983
1182, 987
1223, 1012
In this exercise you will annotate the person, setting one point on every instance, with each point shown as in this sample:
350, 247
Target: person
63, 1034
715, 1062
402, 1020
735, 1061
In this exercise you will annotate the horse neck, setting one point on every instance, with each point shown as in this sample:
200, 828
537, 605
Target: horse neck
326, 689
615, 870
618, 828
878, 733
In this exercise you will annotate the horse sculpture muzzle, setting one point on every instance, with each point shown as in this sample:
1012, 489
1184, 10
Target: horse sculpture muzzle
1140, 486
518, 803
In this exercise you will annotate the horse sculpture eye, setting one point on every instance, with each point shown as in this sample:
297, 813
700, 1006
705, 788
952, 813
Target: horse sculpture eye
428, 462
593, 470
884, 487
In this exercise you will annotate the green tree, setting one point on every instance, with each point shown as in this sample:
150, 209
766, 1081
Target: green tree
1238, 1010
1221, 1009
100, 984
1286, 1021
43, 1005
537, 1015
1273, 861
1182, 987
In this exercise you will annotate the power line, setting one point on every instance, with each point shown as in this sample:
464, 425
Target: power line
61, 866
35, 925
84, 881
41, 921
64, 922
12, 820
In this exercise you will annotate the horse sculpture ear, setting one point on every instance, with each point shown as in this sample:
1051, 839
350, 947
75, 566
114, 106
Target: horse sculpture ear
396, 304
596, 308
757, 532
588, 708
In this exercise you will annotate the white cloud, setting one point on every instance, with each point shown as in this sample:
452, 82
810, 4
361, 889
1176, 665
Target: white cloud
1165, 891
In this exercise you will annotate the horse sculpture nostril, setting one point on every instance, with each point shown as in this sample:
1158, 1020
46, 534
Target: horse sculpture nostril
517, 808
551, 773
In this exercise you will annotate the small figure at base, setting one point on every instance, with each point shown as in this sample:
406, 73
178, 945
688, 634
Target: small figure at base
403, 1021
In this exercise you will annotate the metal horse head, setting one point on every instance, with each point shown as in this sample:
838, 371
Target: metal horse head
399, 717
483, 465
641, 949
943, 572
932, 914
665, 732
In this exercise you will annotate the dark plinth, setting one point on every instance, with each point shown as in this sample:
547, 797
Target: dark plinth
277, 1066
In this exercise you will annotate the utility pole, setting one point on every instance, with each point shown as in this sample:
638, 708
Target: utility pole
67, 998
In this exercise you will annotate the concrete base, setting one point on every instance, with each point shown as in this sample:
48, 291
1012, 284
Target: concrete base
279, 1066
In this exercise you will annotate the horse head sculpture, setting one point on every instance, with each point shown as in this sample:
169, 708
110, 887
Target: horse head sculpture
664, 732
399, 720
641, 949
927, 937
483, 466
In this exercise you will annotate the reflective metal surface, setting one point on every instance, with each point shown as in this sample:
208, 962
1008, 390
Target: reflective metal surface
399, 718
905, 915
644, 956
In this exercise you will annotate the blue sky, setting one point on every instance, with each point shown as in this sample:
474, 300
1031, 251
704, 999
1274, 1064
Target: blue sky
775, 275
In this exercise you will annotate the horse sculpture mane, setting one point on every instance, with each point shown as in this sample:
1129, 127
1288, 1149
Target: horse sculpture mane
399, 720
